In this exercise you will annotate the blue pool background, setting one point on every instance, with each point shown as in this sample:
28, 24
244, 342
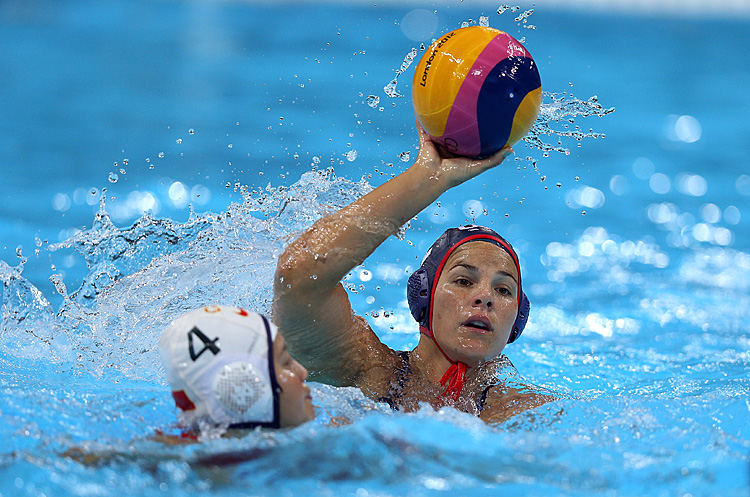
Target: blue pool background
637, 263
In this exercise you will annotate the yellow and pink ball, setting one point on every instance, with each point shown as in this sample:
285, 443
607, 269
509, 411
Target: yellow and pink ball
476, 90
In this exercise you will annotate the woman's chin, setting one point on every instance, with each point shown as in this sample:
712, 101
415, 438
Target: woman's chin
471, 358
474, 354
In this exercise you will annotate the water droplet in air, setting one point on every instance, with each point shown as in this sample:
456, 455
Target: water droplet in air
404, 156
373, 101
179, 141
351, 155
161, 155
122, 170
57, 281
390, 89
191, 131
113, 177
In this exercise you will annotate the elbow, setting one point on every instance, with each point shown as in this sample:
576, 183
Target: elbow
296, 271
287, 275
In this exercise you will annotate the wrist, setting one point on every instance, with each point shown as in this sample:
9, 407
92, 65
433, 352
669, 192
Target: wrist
429, 178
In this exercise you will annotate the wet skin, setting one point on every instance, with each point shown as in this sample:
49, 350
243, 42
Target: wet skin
475, 303
295, 400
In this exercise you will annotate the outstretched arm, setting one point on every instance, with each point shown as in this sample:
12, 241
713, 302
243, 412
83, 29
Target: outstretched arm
311, 307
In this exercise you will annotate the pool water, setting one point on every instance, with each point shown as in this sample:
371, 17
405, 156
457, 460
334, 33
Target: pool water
237, 124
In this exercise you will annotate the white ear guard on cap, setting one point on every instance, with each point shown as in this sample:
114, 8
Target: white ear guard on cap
219, 362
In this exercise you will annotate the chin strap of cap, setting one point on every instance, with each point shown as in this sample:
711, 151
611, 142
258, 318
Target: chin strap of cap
454, 377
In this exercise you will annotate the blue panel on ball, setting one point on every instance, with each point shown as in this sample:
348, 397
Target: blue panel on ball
501, 94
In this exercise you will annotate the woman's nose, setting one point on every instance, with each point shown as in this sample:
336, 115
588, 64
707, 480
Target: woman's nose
483, 299
303, 373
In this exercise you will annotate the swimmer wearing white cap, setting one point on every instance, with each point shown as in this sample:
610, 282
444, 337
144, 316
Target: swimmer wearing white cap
230, 367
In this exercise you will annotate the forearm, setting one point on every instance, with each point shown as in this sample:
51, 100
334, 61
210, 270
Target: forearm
334, 245
324, 254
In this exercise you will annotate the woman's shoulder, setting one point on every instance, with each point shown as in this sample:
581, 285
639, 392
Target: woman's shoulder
508, 394
497, 370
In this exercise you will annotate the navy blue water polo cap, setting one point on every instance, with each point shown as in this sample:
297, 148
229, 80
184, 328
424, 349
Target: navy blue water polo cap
421, 283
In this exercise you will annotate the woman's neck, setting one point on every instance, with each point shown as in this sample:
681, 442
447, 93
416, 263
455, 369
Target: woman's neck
429, 364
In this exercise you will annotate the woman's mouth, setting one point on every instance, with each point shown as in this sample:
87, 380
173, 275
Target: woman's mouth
478, 324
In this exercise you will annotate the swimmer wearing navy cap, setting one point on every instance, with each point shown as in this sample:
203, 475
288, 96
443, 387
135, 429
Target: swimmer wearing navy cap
467, 298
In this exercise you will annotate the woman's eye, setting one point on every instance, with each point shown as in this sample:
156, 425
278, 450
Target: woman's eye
463, 282
503, 291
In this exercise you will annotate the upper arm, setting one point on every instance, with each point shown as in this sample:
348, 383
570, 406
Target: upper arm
311, 306
323, 333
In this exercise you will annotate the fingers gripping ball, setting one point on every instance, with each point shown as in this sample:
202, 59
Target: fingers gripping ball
476, 90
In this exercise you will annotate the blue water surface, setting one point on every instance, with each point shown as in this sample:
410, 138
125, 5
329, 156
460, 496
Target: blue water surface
159, 155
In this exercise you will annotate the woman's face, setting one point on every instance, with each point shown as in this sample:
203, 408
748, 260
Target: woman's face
295, 401
475, 303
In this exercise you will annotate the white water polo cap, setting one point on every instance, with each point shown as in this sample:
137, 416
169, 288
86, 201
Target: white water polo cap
219, 363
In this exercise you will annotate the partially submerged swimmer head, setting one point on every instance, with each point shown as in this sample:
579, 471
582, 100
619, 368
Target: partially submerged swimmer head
424, 283
230, 367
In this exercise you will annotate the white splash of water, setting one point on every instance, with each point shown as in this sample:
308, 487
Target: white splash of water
142, 277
